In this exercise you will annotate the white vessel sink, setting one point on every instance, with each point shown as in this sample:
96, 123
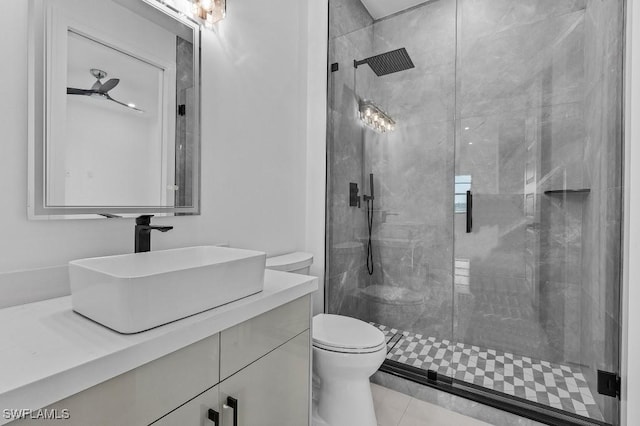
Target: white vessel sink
135, 292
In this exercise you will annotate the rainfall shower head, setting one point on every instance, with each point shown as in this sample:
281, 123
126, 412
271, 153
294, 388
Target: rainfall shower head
388, 63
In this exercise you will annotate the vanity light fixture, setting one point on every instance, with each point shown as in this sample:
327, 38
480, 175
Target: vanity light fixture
375, 118
210, 11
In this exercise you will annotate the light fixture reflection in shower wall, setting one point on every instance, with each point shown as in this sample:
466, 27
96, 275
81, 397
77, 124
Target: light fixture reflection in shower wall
372, 116
210, 11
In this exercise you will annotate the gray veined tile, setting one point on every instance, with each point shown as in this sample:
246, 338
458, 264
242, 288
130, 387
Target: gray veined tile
427, 32
478, 20
347, 16
539, 64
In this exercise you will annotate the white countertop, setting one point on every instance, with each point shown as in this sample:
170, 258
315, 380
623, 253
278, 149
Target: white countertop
48, 352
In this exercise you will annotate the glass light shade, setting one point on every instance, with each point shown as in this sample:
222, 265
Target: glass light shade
375, 118
219, 10
209, 11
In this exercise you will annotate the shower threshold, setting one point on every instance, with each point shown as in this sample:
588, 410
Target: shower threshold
563, 388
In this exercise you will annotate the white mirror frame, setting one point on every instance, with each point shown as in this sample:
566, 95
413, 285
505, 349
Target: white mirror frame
37, 207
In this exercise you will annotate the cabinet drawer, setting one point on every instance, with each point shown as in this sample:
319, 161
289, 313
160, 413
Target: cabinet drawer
144, 394
244, 343
194, 412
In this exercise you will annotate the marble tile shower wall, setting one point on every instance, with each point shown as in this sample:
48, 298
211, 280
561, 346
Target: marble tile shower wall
350, 38
413, 170
520, 106
184, 134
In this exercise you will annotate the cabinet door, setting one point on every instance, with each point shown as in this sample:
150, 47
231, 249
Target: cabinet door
248, 341
272, 391
195, 412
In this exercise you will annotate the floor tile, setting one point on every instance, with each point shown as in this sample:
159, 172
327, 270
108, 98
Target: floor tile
555, 385
426, 414
389, 405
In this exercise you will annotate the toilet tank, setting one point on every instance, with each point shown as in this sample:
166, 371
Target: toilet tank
296, 262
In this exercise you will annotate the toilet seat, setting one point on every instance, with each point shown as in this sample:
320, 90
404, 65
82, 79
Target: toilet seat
338, 333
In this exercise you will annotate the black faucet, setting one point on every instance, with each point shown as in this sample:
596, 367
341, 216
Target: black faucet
143, 232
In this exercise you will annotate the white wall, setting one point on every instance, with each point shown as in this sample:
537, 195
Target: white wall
316, 137
254, 173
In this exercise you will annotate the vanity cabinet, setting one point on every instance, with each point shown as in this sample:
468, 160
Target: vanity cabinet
262, 363
272, 391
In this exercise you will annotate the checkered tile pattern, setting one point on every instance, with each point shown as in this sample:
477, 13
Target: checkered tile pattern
391, 335
559, 386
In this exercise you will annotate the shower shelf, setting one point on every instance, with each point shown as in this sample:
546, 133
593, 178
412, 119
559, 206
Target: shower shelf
582, 191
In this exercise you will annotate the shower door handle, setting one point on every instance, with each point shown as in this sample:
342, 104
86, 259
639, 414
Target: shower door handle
469, 212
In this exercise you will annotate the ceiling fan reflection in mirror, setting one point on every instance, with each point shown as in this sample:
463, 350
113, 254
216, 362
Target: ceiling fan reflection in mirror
100, 89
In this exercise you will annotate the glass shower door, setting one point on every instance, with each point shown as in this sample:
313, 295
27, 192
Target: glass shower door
537, 211
405, 288
494, 250
410, 287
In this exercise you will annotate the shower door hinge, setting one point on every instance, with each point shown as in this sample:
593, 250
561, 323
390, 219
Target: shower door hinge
608, 384
182, 110
335, 67
435, 377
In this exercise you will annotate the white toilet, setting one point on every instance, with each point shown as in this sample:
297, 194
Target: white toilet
346, 352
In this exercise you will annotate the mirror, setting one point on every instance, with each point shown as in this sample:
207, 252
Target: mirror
114, 109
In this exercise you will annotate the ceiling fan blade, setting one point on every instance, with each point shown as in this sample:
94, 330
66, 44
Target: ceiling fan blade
123, 104
74, 91
108, 85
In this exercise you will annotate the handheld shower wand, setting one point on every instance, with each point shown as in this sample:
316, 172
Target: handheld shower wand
369, 199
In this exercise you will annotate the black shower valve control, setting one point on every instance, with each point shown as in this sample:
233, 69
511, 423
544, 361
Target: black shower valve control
354, 197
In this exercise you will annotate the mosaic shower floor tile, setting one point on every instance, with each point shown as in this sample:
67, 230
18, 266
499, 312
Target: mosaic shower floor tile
560, 386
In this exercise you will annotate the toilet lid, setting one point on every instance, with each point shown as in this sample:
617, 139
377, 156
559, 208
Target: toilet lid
290, 262
345, 334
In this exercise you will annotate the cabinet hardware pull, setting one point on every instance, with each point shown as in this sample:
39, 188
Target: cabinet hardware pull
214, 416
232, 403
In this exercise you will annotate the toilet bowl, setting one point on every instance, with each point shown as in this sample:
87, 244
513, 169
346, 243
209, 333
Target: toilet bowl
346, 352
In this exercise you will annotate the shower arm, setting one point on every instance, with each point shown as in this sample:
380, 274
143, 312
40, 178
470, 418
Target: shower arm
358, 63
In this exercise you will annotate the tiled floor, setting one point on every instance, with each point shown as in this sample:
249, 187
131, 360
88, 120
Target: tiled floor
559, 386
397, 409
